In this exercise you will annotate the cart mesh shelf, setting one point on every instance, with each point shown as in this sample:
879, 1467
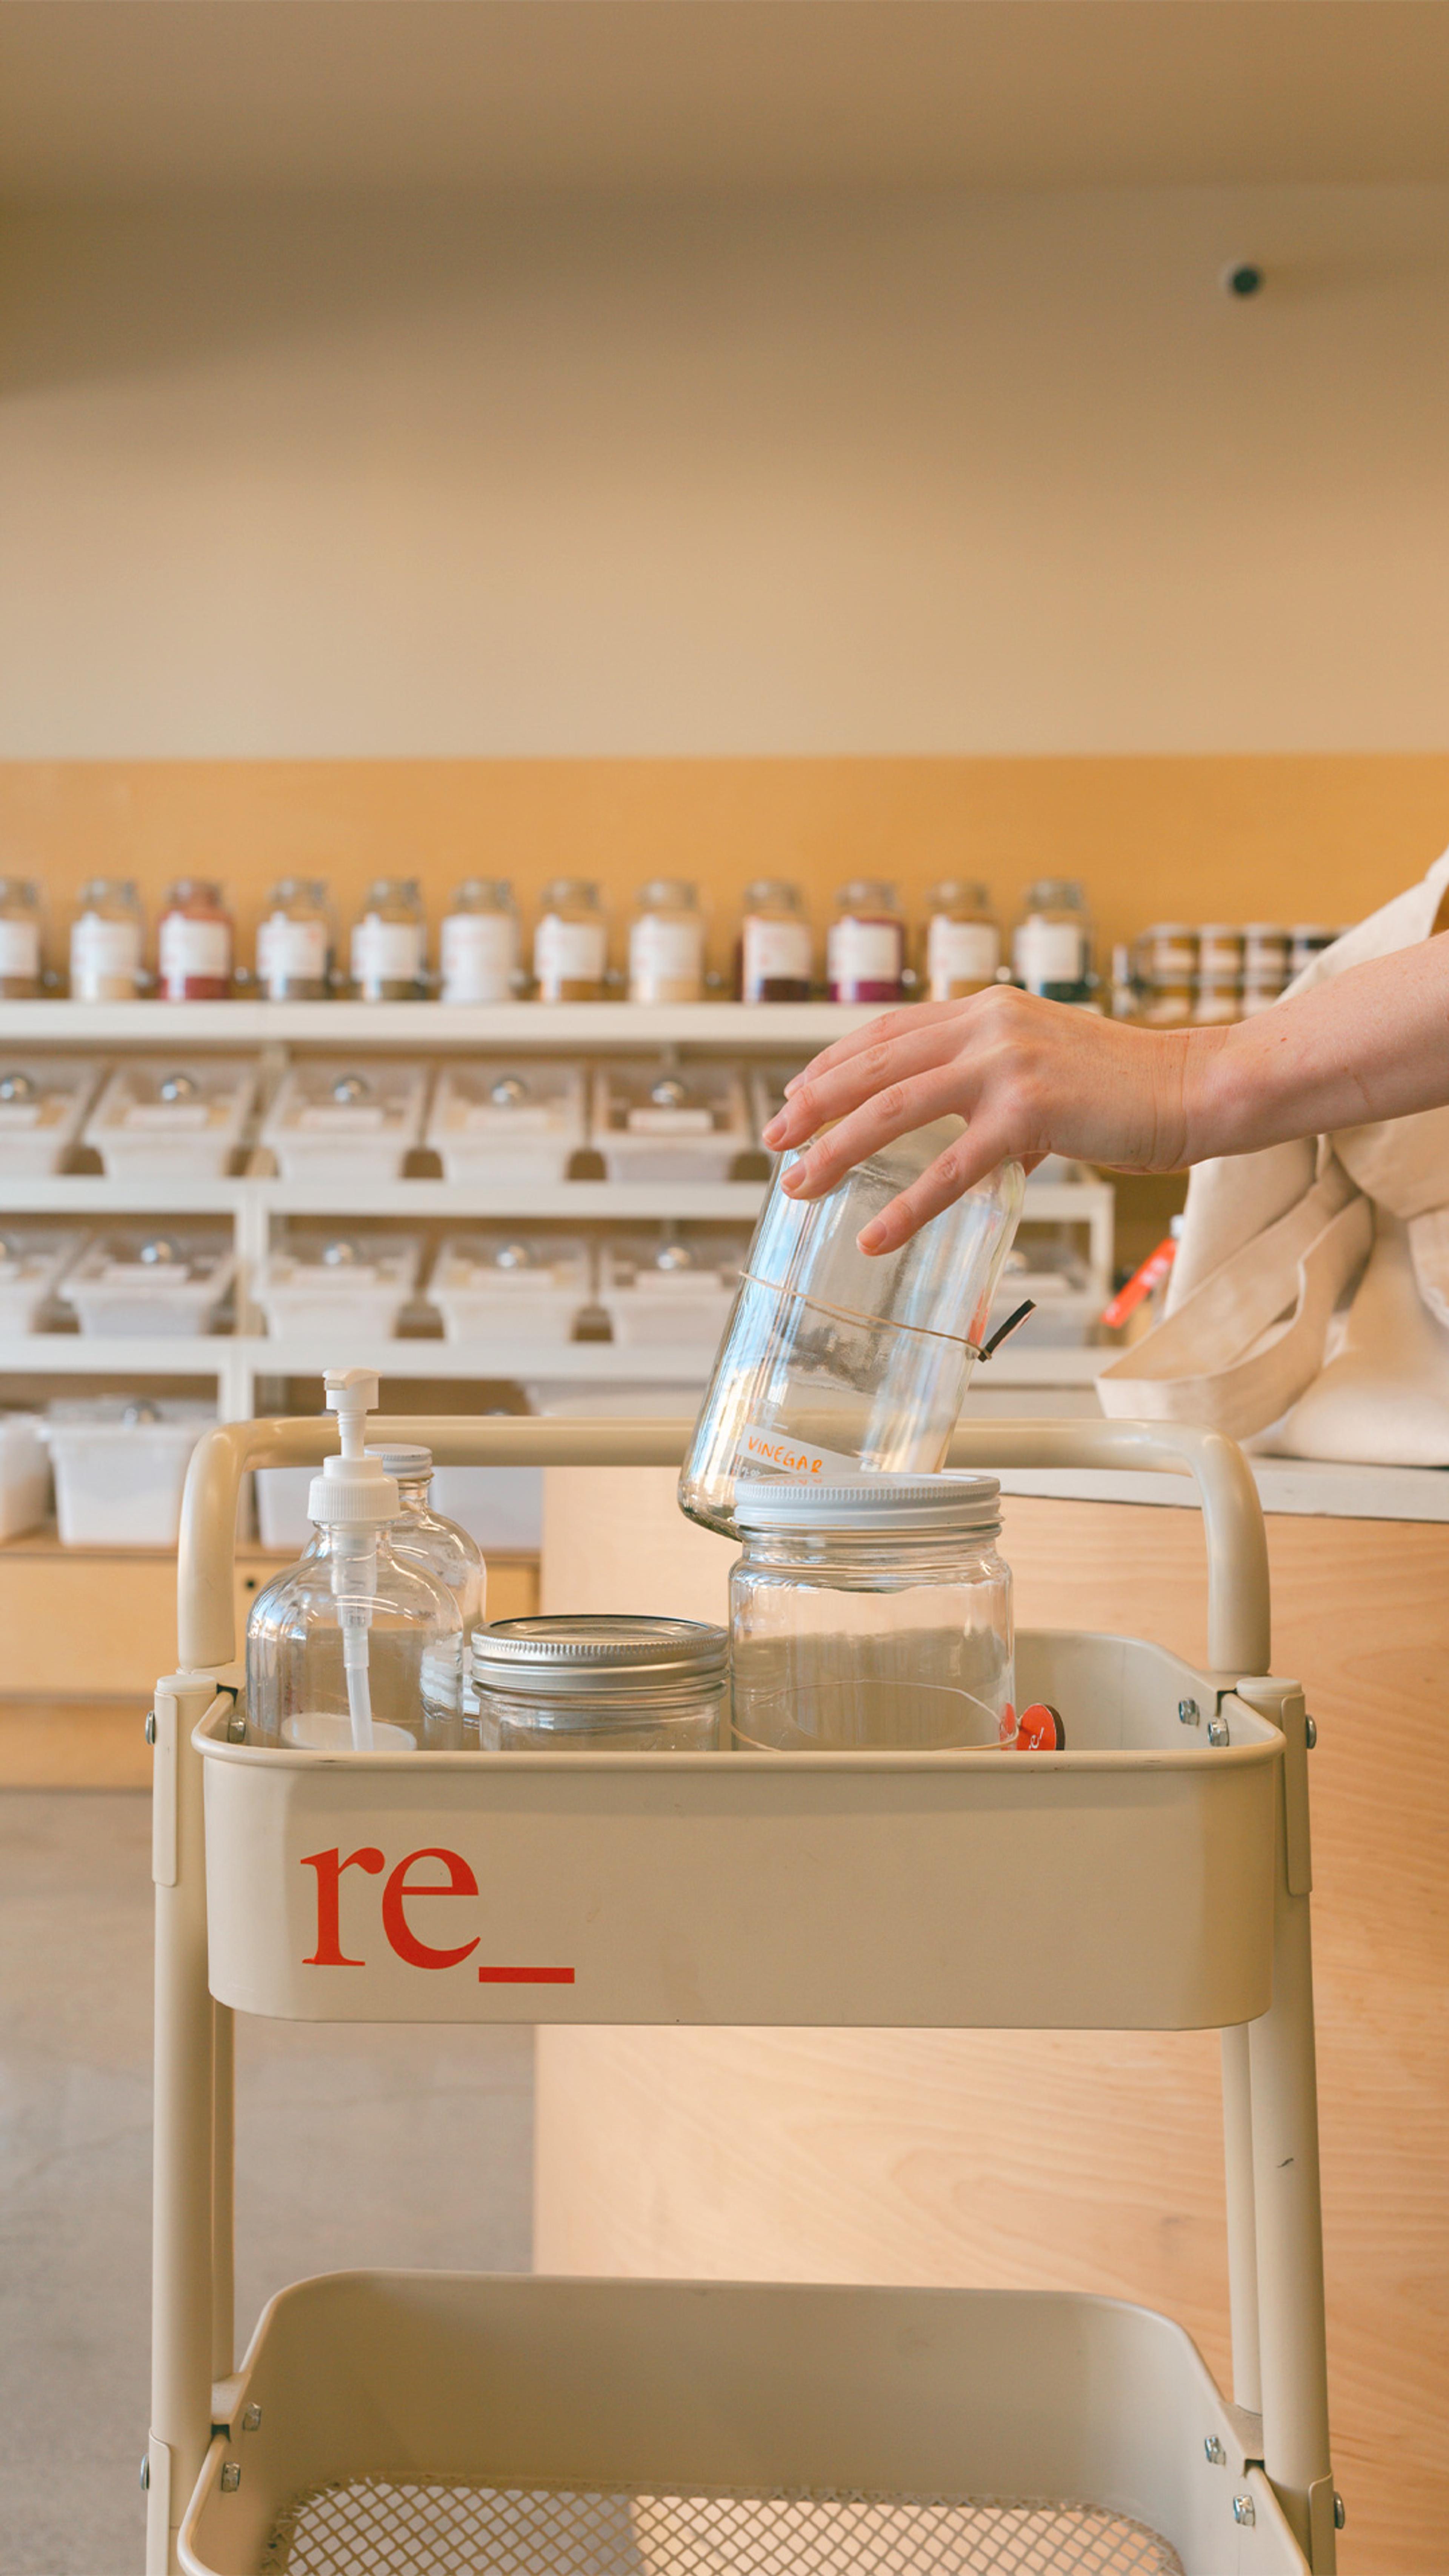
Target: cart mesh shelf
368, 2528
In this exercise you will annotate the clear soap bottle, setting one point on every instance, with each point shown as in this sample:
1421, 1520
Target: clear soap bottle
357, 1648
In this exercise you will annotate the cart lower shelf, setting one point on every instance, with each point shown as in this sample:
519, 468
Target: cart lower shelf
440, 2424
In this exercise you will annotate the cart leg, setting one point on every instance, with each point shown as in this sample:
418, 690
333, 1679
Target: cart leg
223, 2191
1242, 2219
181, 2256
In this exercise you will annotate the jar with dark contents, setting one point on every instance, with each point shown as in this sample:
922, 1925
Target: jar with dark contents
295, 942
1052, 944
571, 942
775, 952
194, 943
19, 940
866, 944
389, 943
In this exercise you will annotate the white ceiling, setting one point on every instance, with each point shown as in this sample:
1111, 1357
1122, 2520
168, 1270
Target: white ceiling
128, 97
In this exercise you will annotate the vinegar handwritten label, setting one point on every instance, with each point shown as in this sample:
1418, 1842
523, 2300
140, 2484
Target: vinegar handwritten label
775, 1453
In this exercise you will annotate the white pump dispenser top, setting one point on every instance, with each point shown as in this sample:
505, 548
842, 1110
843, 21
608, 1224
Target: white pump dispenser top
353, 1488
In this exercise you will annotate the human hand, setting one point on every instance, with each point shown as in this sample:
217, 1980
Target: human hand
1029, 1077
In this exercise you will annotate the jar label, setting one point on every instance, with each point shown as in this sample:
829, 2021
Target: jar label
19, 947
864, 952
569, 952
387, 952
99, 947
663, 955
187, 949
774, 952
291, 952
776, 1453
960, 952
1049, 952
479, 953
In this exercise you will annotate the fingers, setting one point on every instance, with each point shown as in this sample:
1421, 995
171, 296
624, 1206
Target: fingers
881, 1116
891, 1024
952, 1174
829, 1090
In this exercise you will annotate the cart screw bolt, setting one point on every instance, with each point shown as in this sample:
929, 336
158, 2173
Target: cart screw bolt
1217, 1730
1213, 2452
231, 2480
1340, 2516
1188, 1713
145, 2471
1310, 1732
1244, 2509
252, 2420
236, 1728
150, 1726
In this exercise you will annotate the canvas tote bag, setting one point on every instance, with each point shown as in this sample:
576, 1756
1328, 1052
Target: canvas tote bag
1308, 1309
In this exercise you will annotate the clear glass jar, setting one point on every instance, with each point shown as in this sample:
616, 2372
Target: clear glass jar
107, 942
597, 1684
961, 950
480, 943
666, 943
419, 1532
1167, 1006
1217, 1002
834, 1359
873, 1616
1265, 952
19, 940
775, 954
571, 942
1125, 994
1168, 953
865, 949
1307, 940
1260, 992
1220, 951
295, 942
194, 943
1051, 947
299, 1690
389, 943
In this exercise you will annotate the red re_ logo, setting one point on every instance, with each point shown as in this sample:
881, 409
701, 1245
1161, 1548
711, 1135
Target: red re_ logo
401, 1937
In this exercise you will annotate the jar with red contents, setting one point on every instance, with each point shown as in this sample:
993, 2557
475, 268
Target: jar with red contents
866, 944
194, 943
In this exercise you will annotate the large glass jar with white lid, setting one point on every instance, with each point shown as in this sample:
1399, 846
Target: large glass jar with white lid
1051, 946
295, 942
666, 943
107, 942
872, 1616
389, 943
19, 940
962, 946
775, 959
836, 1359
865, 947
571, 942
479, 944
600, 1684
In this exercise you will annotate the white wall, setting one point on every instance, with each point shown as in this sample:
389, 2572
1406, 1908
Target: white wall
993, 472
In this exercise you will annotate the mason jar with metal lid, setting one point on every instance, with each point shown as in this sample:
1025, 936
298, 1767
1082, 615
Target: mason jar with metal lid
871, 1616
1265, 952
600, 1684
1168, 953
1220, 951
1218, 1001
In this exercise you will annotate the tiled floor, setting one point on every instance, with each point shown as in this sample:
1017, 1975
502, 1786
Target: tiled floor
354, 2146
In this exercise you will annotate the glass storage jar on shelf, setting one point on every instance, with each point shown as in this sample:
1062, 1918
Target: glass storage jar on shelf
571, 942
389, 943
961, 950
480, 942
19, 940
296, 940
1051, 948
107, 942
194, 943
838, 1360
358, 1646
865, 950
666, 943
775, 955
873, 1615
600, 1684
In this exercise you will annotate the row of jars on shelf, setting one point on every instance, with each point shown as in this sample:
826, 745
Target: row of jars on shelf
871, 953
1176, 975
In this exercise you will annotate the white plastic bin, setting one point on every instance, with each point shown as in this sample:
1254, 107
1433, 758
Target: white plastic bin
342, 1283
337, 1121
32, 1259
500, 1283
675, 1286
500, 1123
1059, 1282
654, 1120
151, 1279
43, 1101
501, 1507
120, 1465
158, 1119
24, 1474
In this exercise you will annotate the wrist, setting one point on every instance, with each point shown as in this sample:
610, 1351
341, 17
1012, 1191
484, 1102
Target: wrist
1212, 1091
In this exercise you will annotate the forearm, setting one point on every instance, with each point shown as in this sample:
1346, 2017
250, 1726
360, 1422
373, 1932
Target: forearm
1371, 1043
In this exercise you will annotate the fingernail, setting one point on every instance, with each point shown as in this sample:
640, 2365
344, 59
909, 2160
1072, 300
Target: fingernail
794, 1180
871, 1237
774, 1133
793, 1085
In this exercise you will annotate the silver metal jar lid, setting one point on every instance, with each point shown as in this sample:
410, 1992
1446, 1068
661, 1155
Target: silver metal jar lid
888, 1504
595, 1651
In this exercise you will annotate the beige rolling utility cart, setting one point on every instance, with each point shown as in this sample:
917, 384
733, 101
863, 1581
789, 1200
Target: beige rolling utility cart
1154, 1875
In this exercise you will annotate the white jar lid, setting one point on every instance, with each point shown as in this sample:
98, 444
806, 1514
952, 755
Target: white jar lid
886, 1503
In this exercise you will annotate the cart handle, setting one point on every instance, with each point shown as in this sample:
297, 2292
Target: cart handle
1238, 1629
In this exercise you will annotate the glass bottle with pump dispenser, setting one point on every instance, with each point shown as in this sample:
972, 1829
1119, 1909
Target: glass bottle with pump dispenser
358, 1646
